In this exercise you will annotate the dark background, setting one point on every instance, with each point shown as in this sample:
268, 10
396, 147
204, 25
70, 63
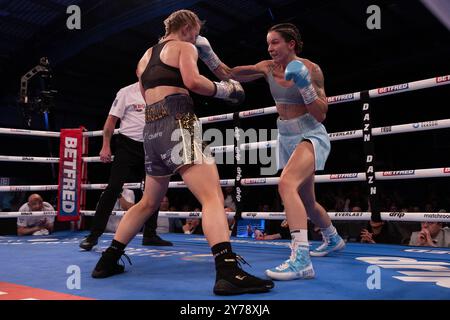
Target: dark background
90, 65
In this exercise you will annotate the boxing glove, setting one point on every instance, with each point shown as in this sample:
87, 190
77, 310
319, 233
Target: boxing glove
230, 91
298, 72
206, 53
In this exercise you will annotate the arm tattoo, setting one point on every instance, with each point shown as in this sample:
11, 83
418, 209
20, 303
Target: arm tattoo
318, 81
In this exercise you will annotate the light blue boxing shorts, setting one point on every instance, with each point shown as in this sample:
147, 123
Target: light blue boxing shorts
293, 131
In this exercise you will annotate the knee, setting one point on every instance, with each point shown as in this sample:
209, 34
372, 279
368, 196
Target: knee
287, 186
146, 205
213, 199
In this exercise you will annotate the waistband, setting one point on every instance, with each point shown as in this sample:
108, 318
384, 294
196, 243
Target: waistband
126, 139
302, 124
171, 105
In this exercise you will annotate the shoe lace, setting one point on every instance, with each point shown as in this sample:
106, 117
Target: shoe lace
127, 257
325, 244
240, 260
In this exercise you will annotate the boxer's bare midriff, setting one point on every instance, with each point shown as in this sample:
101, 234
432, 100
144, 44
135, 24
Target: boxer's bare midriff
291, 111
159, 93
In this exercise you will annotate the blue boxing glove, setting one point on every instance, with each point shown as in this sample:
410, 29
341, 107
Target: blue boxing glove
206, 53
297, 72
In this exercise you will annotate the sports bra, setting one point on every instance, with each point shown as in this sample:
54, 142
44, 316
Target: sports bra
157, 73
284, 95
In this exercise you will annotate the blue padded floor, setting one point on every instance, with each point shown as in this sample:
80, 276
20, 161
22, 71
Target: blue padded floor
186, 270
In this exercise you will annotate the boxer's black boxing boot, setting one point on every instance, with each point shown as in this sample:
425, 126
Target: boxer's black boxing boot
231, 279
108, 265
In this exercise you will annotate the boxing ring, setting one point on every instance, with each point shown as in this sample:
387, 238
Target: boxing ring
53, 266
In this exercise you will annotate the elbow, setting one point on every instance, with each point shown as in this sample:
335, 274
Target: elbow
319, 112
192, 84
321, 117
318, 115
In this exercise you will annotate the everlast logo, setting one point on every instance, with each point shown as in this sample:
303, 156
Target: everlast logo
277, 215
342, 134
251, 214
397, 214
26, 213
215, 118
255, 181
27, 158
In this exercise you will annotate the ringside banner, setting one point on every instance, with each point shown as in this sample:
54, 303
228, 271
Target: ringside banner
70, 166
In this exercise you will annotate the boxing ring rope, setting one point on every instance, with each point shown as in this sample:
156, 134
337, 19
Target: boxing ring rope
334, 136
271, 181
342, 177
343, 215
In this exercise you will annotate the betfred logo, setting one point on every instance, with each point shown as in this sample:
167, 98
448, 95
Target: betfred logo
398, 173
442, 79
397, 87
341, 98
252, 112
343, 176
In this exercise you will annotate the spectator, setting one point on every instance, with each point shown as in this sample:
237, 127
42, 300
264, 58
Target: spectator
229, 198
231, 220
193, 226
432, 235
163, 222
380, 232
282, 234
35, 225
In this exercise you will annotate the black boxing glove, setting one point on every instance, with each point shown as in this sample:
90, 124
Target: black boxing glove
230, 91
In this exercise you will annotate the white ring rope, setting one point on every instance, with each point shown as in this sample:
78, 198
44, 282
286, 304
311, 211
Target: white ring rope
324, 178
373, 93
347, 216
384, 175
343, 135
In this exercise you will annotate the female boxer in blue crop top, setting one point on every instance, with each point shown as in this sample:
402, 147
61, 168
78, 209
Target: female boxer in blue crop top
297, 86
